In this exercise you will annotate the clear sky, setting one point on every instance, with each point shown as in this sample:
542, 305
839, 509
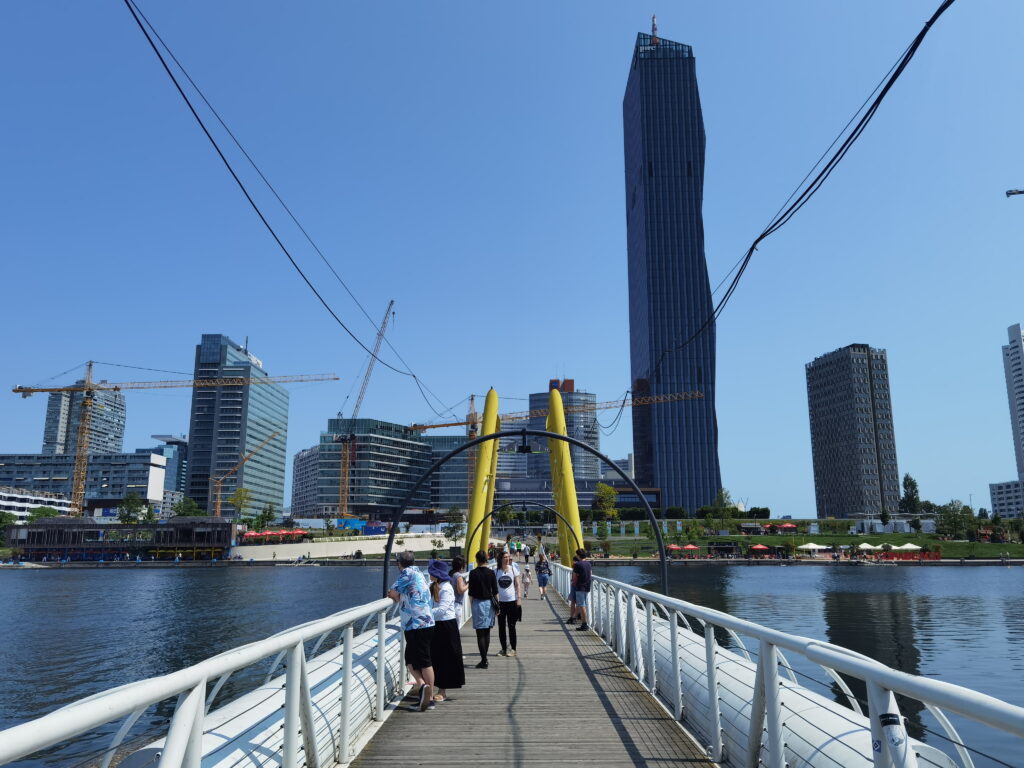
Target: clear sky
465, 159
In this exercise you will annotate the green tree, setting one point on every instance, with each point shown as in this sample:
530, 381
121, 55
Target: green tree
6, 519
910, 501
723, 498
240, 500
915, 523
148, 515
605, 498
885, 517
187, 507
454, 527
40, 512
130, 509
504, 514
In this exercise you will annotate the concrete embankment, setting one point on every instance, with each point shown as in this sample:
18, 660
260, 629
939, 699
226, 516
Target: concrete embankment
338, 547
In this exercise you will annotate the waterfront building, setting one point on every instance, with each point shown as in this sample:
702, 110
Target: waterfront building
529, 490
229, 422
63, 415
305, 470
1013, 368
387, 460
1007, 498
580, 424
109, 477
512, 463
853, 442
671, 326
20, 501
626, 465
449, 485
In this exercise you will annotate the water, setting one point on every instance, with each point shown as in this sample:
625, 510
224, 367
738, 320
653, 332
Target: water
70, 633
960, 625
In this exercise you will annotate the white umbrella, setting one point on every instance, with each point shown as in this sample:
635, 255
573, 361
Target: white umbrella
909, 547
865, 546
812, 545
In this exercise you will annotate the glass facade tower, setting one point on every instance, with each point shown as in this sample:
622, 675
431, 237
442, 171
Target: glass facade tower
229, 422
579, 424
675, 444
106, 422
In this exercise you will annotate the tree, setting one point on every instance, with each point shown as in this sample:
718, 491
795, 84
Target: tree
40, 512
722, 498
187, 507
915, 523
6, 519
604, 502
983, 514
130, 509
240, 500
454, 527
910, 501
148, 515
885, 517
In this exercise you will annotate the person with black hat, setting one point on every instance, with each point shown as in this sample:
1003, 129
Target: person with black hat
445, 645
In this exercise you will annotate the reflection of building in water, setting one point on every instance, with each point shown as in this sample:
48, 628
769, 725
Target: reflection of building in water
879, 625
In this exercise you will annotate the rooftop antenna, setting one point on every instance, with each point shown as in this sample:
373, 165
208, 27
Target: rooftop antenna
654, 30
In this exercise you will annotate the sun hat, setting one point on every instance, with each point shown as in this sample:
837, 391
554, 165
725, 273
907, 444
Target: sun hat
438, 569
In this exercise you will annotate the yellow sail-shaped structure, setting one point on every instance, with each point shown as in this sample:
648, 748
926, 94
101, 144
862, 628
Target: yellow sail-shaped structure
483, 481
563, 483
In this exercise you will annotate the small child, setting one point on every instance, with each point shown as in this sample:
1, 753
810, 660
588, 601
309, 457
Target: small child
527, 580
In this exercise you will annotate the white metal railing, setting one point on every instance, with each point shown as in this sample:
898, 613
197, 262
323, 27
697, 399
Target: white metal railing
749, 714
184, 745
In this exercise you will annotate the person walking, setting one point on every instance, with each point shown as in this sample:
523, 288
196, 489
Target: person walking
411, 592
582, 578
527, 581
510, 602
458, 577
483, 594
445, 645
543, 575
572, 591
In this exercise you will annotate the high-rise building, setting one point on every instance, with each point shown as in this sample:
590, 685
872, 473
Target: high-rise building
1013, 367
672, 335
386, 461
449, 485
305, 472
852, 439
175, 450
108, 478
580, 424
63, 414
229, 422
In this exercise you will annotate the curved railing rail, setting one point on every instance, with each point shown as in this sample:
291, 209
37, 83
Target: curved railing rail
655, 637
197, 686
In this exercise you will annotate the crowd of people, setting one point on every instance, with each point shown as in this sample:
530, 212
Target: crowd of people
431, 608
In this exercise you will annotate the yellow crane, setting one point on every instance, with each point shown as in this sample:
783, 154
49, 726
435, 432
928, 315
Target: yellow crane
219, 479
507, 418
89, 387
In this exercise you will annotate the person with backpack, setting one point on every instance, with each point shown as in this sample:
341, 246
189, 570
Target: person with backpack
543, 575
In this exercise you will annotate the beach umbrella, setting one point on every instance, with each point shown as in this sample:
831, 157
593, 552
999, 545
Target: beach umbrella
788, 525
759, 546
691, 546
909, 547
673, 546
811, 545
865, 546
249, 533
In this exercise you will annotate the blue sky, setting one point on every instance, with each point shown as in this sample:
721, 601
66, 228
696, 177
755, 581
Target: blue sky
465, 159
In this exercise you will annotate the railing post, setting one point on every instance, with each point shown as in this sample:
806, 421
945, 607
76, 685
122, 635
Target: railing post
346, 695
634, 662
292, 699
890, 745
755, 728
677, 689
306, 722
378, 712
768, 669
714, 712
182, 748
403, 673
608, 616
619, 649
652, 680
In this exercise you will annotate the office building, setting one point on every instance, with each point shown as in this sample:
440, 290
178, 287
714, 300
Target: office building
852, 439
229, 422
108, 479
671, 330
20, 501
1007, 499
305, 471
63, 415
626, 465
1013, 368
387, 460
175, 450
580, 423
449, 485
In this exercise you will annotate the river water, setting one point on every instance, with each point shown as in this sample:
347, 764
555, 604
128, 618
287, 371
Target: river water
70, 633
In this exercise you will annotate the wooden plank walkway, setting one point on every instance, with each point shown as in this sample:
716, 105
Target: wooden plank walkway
564, 699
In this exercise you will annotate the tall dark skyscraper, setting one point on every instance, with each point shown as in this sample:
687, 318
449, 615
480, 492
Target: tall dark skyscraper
675, 444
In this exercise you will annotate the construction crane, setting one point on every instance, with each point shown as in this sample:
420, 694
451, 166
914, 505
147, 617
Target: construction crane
219, 479
348, 441
629, 402
89, 387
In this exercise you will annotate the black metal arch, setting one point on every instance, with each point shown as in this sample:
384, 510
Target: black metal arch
397, 516
579, 544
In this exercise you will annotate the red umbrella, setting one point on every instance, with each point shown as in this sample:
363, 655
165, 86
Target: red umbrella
249, 533
673, 546
299, 532
759, 546
787, 525
691, 546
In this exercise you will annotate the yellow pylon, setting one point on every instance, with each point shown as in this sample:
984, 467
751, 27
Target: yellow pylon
483, 482
562, 480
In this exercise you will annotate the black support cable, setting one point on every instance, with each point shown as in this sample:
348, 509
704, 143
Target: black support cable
241, 185
799, 199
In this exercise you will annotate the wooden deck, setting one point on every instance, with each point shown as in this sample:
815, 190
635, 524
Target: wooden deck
565, 699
